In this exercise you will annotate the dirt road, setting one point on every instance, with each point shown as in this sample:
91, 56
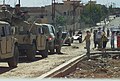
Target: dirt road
36, 68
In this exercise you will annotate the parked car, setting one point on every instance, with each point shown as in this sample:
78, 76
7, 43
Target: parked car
66, 39
49, 31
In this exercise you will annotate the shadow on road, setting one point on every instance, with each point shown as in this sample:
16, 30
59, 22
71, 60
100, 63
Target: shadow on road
23, 59
4, 69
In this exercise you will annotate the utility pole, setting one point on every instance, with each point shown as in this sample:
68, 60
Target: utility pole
74, 12
75, 5
19, 1
90, 14
3, 2
53, 11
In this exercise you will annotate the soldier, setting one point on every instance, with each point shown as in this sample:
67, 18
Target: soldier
18, 15
58, 40
5, 15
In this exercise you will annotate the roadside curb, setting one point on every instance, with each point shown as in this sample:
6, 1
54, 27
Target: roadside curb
62, 69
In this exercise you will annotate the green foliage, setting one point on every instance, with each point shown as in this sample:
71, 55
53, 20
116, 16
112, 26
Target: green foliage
94, 13
60, 20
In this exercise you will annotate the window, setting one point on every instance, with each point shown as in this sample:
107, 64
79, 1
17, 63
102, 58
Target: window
64, 13
40, 31
53, 29
50, 29
7, 30
3, 32
68, 13
45, 29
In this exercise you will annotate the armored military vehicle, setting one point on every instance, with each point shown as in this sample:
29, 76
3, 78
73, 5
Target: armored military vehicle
39, 37
31, 38
26, 43
8, 45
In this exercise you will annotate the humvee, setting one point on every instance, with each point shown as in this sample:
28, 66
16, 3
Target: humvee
40, 39
8, 45
30, 40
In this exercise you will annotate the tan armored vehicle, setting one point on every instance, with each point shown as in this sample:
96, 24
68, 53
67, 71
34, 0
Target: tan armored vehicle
8, 45
31, 38
26, 43
39, 37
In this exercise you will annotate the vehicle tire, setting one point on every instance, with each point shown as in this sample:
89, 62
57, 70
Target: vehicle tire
12, 62
31, 52
44, 53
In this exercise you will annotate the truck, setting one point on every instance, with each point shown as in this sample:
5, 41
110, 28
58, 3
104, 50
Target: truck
8, 45
30, 40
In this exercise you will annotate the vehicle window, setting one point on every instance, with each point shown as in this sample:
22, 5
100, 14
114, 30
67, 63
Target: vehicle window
53, 29
3, 32
40, 31
50, 29
45, 29
7, 30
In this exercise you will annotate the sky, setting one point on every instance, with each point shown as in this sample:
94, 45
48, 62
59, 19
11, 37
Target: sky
39, 3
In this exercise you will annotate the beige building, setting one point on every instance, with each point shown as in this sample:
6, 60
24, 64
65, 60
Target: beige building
69, 9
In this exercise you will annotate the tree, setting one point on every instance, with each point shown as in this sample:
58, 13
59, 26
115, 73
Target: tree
60, 20
94, 13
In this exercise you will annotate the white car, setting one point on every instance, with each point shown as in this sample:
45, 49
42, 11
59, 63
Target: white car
77, 37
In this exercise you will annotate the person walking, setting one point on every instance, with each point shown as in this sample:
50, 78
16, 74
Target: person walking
104, 43
112, 40
98, 38
87, 39
18, 15
95, 38
108, 32
58, 40
5, 14
70, 32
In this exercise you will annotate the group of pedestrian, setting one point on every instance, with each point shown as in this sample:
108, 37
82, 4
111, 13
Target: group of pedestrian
100, 39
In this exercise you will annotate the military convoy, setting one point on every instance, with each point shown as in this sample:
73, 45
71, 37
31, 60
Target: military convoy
33, 37
23, 38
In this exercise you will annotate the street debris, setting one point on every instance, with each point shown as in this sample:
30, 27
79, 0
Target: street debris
97, 68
